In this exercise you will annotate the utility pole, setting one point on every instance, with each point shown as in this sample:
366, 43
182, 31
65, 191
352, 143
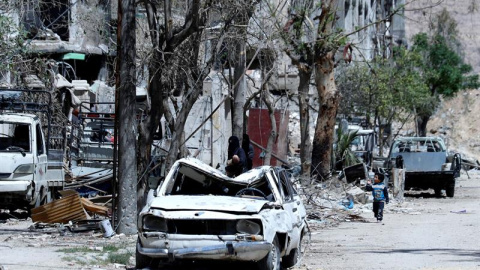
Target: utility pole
125, 118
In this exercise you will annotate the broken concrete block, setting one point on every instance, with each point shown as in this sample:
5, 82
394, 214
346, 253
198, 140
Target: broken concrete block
358, 194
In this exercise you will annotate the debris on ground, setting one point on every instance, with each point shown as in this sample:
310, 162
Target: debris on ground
72, 213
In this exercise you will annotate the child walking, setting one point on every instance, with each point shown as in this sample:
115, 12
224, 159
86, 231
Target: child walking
380, 195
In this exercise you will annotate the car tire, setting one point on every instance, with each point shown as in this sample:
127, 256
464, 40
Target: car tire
294, 257
450, 190
141, 261
272, 260
438, 192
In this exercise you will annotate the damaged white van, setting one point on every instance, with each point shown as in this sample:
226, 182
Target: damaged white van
198, 213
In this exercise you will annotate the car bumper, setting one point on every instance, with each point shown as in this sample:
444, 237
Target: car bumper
14, 186
206, 250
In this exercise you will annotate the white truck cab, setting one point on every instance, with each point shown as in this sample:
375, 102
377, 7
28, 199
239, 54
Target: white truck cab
24, 165
30, 172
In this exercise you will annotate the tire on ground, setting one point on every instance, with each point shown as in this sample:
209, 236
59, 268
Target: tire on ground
450, 190
294, 257
272, 260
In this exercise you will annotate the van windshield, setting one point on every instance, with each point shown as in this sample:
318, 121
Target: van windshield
14, 137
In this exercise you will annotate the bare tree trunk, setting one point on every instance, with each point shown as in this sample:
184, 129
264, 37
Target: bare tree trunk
305, 143
152, 120
127, 165
328, 95
165, 39
179, 127
329, 99
240, 89
422, 121
273, 133
146, 131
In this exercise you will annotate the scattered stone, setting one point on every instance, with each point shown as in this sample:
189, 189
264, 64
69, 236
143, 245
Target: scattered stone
358, 194
96, 248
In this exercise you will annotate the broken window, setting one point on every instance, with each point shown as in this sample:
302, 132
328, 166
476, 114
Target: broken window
347, 7
285, 186
43, 19
39, 139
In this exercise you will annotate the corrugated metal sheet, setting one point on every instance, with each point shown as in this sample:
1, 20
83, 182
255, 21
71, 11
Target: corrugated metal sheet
68, 208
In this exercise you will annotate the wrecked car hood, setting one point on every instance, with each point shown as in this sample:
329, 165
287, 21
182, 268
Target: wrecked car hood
208, 203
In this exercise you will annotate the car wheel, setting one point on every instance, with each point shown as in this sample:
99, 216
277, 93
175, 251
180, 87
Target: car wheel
438, 192
272, 260
294, 257
141, 261
450, 190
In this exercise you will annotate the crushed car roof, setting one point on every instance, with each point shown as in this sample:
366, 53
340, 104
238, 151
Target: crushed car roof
246, 178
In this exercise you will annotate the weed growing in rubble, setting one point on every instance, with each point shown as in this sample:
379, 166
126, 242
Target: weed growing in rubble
108, 254
76, 250
121, 258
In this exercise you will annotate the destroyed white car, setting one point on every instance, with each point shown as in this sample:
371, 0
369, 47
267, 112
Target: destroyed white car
198, 213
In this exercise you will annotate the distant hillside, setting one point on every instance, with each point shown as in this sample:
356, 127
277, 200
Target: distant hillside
457, 120
417, 18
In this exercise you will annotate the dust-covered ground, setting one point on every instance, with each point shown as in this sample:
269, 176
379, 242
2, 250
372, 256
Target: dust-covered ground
423, 232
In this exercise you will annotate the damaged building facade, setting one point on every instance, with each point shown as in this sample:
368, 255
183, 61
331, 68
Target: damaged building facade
79, 38
74, 38
375, 40
65, 52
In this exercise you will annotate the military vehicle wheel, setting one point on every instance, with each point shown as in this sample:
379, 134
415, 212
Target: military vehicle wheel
450, 190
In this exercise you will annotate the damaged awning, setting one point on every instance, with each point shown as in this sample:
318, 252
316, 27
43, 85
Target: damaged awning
74, 56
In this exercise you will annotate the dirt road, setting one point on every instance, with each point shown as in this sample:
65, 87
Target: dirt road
423, 232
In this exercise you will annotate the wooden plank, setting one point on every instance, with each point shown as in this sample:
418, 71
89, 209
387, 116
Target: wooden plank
91, 207
66, 193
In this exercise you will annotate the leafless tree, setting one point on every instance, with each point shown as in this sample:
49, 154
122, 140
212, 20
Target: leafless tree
126, 91
168, 30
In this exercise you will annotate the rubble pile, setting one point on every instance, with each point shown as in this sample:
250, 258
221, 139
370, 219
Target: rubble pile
333, 201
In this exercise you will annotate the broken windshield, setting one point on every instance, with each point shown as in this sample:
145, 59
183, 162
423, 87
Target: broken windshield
14, 137
189, 180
